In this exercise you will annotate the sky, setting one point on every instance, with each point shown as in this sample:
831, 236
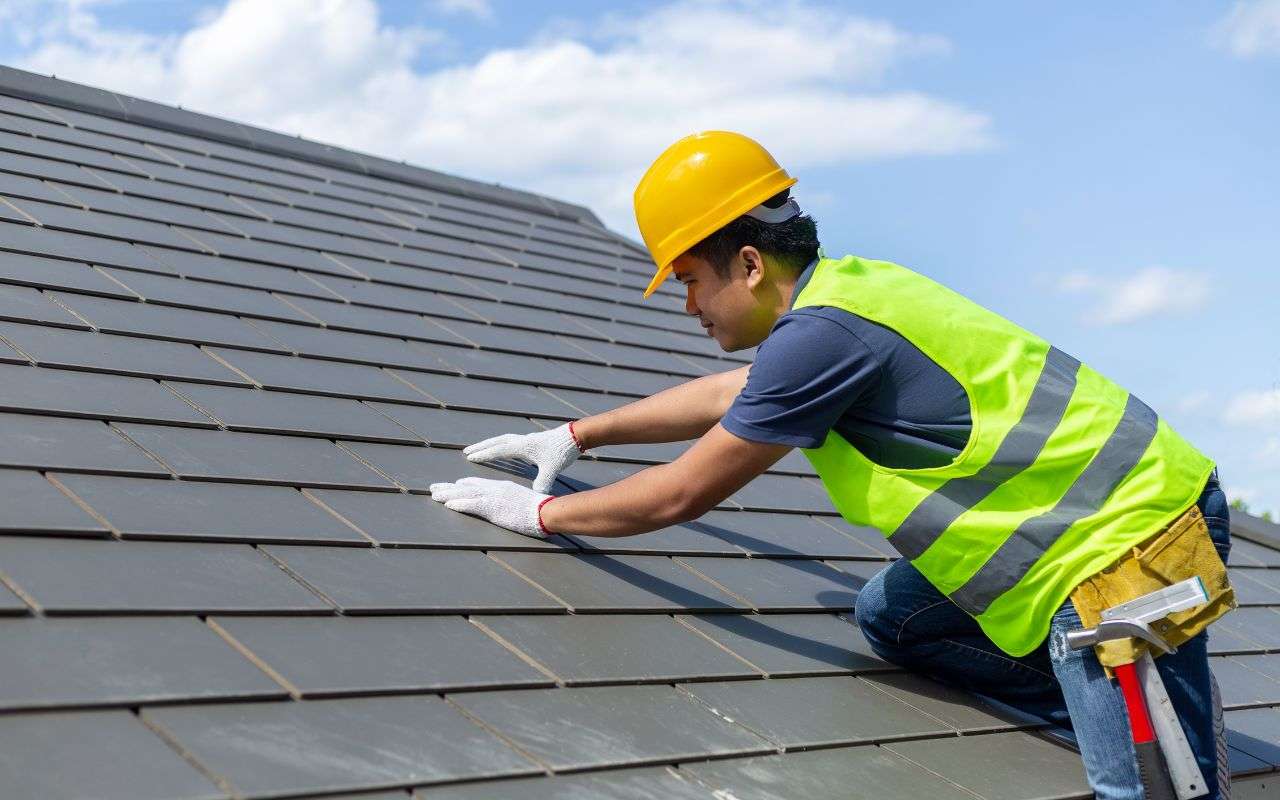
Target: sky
1105, 175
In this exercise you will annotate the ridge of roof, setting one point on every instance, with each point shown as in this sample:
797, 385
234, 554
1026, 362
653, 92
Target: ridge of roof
79, 97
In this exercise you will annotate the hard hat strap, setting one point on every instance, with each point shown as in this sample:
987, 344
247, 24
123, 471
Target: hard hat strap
784, 212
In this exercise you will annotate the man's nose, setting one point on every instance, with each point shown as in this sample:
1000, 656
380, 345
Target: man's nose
690, 305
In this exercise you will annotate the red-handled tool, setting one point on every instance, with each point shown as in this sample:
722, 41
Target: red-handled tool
1165, 762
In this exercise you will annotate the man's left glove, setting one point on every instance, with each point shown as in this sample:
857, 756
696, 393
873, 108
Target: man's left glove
504, 503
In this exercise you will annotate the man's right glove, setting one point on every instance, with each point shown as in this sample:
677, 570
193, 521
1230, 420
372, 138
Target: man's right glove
550, 451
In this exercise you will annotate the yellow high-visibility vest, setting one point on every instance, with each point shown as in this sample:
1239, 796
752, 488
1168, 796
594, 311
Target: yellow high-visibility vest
1064, 470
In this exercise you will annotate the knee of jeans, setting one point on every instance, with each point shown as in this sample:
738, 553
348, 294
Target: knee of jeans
871, 611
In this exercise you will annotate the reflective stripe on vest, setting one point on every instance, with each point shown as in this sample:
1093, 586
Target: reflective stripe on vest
1063, 472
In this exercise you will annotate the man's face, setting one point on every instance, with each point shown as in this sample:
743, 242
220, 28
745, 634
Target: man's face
730, 309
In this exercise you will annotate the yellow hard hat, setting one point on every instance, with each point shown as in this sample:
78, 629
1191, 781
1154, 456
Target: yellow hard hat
696, 187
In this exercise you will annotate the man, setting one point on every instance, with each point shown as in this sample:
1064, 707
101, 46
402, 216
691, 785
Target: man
1020, 485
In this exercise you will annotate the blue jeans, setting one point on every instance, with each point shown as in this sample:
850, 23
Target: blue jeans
910, 623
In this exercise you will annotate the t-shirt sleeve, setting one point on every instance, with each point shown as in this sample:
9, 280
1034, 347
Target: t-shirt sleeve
807, 373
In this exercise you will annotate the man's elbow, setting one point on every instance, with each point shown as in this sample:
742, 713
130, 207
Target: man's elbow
689, 505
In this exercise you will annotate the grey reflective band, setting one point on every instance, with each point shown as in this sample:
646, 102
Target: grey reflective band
1117, 458
784, 212
1018, 450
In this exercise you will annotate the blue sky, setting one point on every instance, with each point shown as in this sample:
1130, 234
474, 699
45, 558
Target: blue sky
1106, 178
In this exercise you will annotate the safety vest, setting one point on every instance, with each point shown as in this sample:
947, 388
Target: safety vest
1063, 472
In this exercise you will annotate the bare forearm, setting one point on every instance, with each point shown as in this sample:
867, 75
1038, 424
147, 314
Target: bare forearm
677, 414
637, 504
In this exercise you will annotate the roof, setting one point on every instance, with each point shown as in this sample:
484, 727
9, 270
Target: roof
231, 362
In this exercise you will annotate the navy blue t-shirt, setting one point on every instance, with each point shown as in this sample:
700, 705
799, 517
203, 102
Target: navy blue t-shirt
824, 368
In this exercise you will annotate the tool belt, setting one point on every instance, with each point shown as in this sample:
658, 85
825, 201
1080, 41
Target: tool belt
1181, 550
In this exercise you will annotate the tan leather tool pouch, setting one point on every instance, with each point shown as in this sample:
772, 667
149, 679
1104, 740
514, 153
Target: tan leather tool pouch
1181, 550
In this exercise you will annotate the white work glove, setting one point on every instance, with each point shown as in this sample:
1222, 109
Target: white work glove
550, 451
503, 503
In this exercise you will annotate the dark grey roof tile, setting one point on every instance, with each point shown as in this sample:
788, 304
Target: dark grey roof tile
261, 231
150, 509
261, 411
86, 394
388, 581
21, 186
1241, 763
600, 583
792, 644
608, 648
673, 540
125, 355
780, 584
234, 272
52, 273
1254, 586
838, 710
49, 663
59, 151
1249, 554
481, 395
416, 468
620, 355
206, 181
623, 381
609, 726
78, 445
498, 366
74, 246
544, 321
588, 403
204, 295
292, 373
867, 537
1241, 685
162, 322
43, 509
1256, 731
784, 493
269, 749
446, 428
1260, 625
131, 186
365, 348
365, 319
266, 252
1044, 769
37, 167
781, 535
112, 202
824, 775
10, 603
78, 576
395, 298
105, 225
254, 457
108, 753
521, 341
641, 783
405, 520
341, 655
960, 710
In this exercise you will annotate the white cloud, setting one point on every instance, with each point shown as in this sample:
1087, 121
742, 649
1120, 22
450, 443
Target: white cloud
1251, 28
1191, 403
1251, 408
578, 112
1149, 292
480, 9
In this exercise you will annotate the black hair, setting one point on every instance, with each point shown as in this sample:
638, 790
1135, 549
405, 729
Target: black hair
793, 243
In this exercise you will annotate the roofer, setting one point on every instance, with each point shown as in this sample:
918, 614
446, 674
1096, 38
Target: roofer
1025, 490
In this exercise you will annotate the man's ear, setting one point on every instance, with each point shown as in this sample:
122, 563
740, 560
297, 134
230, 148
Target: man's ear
753, 265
